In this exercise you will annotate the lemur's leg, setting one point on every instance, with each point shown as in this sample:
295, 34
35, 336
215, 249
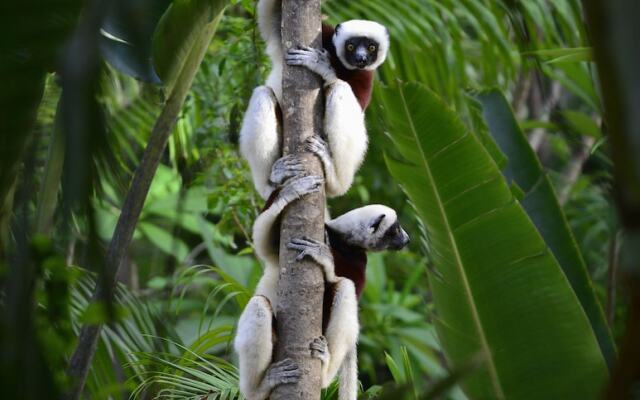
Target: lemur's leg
254, 345
263, 227
316, 60
338, 346
349, 376
342, 330
260, 142
346, 138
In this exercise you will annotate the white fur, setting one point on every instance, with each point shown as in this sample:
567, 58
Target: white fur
260, 142
342, 330
343, 327
344, 123
254, 343
349, 376
360, 27
357, 222
347, 137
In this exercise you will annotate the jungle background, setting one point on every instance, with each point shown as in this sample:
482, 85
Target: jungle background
86, 87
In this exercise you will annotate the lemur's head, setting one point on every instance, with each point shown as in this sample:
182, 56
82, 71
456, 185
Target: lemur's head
361, 44
374, 227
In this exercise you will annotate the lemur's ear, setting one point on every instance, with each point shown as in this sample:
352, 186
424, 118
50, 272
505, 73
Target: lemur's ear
335, 30
376, 222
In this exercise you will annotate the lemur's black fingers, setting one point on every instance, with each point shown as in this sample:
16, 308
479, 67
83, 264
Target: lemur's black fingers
319, 344
315, 139
300, 51
290, 379
287, 363
310, 241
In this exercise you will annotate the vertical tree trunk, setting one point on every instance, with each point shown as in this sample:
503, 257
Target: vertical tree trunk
614, 32
301, 287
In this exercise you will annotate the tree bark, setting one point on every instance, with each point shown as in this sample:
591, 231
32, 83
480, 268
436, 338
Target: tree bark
301, 287
614, 32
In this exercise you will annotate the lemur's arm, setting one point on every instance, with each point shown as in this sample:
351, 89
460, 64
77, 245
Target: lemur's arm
344, 124
336, 349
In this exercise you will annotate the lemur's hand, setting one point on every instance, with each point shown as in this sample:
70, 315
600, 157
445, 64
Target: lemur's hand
316, 145
283, 372
316, 60
285, 168
320, 349
297, 187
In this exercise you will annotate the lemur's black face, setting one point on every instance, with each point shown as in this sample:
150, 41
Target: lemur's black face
395, 238
361, 51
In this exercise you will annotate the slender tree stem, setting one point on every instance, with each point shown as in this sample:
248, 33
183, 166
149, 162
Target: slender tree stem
610, 306
88, 339
301, 287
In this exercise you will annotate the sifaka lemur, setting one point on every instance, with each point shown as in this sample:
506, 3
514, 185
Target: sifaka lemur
350, 54
343, 260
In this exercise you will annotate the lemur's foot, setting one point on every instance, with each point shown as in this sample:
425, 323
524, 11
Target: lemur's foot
316, 60
318, 251
295, 188
316, 145
285, 168
283, 372
320, 349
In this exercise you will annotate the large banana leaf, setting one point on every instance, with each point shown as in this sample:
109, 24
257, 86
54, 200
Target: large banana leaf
498, 290
541, 204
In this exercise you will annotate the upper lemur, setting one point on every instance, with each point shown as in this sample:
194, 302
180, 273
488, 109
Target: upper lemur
350, 54
344, 259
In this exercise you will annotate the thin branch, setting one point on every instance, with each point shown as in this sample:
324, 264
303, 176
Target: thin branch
612, 281
123, 234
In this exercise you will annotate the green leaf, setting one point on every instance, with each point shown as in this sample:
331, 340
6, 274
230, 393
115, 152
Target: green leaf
179, 28
582, 124
540, 202
497, 288
164, 240
563, 55
126, 35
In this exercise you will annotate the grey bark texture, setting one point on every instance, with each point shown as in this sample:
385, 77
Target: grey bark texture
301, 286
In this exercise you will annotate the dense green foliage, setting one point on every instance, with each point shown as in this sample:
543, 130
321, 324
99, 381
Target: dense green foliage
472, 77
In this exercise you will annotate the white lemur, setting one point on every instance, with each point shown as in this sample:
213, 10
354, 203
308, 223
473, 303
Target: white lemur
350, 54
344, 259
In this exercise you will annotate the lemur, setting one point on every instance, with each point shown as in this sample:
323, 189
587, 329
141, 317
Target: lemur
343, 259
350, 54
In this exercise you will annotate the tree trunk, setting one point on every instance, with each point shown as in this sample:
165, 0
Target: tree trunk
301, 287
614, 32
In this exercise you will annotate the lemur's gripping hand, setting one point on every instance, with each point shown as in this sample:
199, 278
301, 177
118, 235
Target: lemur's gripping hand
285, 168
297, 187
316, 145
317, 60
282, 372
320, 349
317, 251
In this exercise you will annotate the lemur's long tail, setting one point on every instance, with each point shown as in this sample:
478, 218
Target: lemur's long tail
269, 17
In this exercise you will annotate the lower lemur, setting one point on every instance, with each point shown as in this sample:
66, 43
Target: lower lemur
343, 259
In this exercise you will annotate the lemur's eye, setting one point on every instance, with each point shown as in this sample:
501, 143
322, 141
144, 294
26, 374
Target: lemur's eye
372, 48
350, 47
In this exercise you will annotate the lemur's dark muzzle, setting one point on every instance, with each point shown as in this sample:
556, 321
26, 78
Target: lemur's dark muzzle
402, 241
